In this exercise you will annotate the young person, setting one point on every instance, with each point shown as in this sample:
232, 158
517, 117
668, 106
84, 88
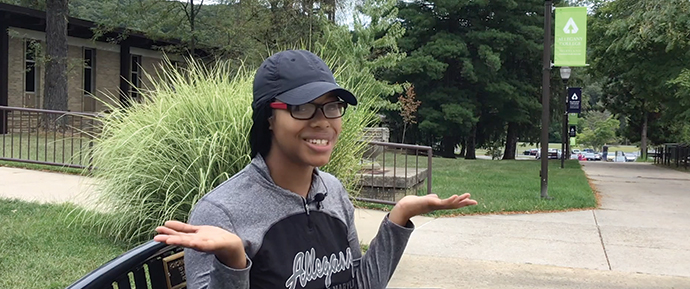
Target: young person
281, 222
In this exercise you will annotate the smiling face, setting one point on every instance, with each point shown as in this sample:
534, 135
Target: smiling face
305, 142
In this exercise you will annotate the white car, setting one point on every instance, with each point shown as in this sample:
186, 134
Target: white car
553, 154
630, 157
589, 156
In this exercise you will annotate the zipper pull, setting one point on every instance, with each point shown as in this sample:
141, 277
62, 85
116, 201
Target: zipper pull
310, 225
306, 206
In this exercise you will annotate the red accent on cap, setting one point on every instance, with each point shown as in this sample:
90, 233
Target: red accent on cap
279, 105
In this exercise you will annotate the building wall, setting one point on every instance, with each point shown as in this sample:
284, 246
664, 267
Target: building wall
16, 72
107, 78
106, 68
75, 78
150, 65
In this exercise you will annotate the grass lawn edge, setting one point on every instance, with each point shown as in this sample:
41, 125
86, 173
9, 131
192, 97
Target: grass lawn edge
442, 214
43, 168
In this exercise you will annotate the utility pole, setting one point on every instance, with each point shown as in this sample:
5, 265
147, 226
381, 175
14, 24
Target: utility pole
546, 91
565, 75
565, 136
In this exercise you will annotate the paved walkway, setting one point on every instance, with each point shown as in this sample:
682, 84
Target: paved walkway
638, 238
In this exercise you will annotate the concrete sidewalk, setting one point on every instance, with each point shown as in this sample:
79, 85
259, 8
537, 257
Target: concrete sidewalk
44, 187
639, 238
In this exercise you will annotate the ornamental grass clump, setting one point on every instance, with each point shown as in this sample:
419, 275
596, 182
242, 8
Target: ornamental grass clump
155, 159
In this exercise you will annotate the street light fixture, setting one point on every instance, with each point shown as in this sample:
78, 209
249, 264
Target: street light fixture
565, 75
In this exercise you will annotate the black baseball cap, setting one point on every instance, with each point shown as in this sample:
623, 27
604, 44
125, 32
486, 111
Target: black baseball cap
296, 77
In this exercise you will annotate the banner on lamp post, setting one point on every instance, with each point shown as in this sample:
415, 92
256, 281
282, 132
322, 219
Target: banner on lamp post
574, 99
573, 119
570, 42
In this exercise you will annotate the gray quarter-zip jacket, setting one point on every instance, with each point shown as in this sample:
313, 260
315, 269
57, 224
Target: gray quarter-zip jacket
290, 241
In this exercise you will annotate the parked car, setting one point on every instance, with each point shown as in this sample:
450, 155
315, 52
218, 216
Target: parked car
630, 157
553, 154
530, 152
589, 154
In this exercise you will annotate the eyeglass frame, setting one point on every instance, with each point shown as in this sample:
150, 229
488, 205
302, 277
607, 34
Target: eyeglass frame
285, 106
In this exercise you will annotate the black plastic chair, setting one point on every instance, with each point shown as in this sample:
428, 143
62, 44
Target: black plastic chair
152, 265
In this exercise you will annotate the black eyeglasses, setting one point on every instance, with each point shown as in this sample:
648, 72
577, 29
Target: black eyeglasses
330, 110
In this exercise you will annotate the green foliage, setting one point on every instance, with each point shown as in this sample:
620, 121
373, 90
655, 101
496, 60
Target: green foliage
599, 129
157, 158
494, 150
637, 47
368, 49
475, 66
682, 96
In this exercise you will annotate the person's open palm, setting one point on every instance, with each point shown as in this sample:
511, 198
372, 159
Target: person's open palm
226, 246
418, 205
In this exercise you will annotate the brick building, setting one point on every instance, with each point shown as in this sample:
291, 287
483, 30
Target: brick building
96, 68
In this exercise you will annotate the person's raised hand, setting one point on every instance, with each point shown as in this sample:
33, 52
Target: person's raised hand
227, 246
411, 206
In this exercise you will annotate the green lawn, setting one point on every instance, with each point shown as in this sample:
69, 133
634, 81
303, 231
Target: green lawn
37, 250
55, 148
509, 186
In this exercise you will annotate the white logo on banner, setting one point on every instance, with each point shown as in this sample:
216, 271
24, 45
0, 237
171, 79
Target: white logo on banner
570, 27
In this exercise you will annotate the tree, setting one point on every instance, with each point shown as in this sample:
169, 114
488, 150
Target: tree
475, 67
408, 108
637, 47
56, 55
600, 129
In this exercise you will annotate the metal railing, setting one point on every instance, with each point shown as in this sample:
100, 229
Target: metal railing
47, 137
673, 154
389, 176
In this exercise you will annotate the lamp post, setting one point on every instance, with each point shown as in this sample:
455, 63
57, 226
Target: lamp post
565, 75
546, 94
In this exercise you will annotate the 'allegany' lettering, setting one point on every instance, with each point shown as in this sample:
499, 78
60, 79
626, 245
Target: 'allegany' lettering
307, 267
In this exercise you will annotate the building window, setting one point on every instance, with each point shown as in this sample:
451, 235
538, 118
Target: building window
89, 58
31, 71
135, 76
89, 79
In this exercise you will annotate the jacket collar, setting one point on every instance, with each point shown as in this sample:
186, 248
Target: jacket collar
260, 170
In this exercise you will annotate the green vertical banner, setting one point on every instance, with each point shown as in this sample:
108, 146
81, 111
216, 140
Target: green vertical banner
570, 43
573, 119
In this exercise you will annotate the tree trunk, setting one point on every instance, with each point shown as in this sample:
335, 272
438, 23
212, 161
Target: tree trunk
463, 147
643, 141
471, 153
403, 135
448, 147
55, 86
192, 28
511, 142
